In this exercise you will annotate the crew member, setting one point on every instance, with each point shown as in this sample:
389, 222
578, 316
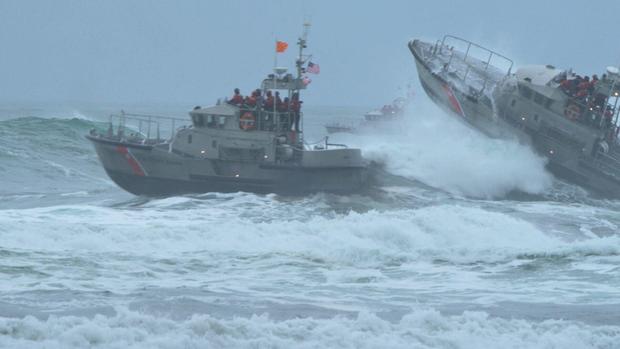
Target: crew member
284, 108
278, 100
566, 85
584, 84
236, 99
250, 101
268, 104
284, 105
295, 107
575, 85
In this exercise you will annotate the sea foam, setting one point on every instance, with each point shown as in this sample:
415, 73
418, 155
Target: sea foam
423, 328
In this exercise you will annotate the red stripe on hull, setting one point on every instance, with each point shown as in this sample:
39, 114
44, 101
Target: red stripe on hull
454, 102
133, 163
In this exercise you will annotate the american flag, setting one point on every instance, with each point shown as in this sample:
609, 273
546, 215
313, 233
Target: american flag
306, 80
313, 68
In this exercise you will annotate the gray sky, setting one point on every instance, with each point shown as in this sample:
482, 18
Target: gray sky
190, 51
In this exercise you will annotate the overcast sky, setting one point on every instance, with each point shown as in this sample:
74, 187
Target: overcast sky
190, 51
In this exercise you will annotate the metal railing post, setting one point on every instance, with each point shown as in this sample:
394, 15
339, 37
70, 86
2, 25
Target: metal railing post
450, 60
466, 73
259, 121
148, 132
488, 61
121, 125
467, 53
614, 117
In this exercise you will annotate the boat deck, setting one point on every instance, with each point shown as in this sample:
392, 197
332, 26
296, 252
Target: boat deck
466, 71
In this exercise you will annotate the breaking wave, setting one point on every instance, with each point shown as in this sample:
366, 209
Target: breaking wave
451, 233
47, 155
432, 147
425, 328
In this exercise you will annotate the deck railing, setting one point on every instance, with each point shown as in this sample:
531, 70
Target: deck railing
144, 128
440, 45
489, 51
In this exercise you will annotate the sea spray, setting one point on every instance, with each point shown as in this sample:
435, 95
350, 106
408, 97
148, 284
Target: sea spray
440, 151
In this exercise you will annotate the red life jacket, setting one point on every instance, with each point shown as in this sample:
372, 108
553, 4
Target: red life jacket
251, 101
583, 85
236, 99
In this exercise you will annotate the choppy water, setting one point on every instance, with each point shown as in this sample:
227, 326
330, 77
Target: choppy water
465, 243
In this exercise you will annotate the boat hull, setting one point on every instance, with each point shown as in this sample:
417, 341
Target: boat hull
156, 171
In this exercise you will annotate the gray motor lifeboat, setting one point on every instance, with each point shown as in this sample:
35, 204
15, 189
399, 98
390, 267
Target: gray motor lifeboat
228, 148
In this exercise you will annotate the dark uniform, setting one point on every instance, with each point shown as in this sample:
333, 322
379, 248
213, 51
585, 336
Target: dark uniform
295, 107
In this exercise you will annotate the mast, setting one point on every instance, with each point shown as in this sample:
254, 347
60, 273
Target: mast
302, 45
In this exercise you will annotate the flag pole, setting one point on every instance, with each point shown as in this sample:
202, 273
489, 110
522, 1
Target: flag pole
275, 65
275, 54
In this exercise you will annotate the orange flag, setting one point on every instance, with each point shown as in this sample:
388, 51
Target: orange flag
281, 46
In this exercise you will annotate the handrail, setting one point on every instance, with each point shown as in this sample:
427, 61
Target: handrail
470, 43
337, 145
138, 120
325, 141
148, 116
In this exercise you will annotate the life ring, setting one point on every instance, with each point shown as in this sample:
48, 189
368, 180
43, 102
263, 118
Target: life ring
247, 121
572, 112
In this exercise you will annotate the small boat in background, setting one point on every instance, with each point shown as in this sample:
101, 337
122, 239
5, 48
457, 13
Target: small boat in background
388, 113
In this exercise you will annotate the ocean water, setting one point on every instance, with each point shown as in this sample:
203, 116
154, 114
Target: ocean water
464, 242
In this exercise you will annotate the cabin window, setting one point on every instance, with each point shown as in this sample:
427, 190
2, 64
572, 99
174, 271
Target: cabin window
525, 92
564, 138
189, 139
536, 117
198, 121
548, 103
214, 144
211, 121
512, 104
241, 154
